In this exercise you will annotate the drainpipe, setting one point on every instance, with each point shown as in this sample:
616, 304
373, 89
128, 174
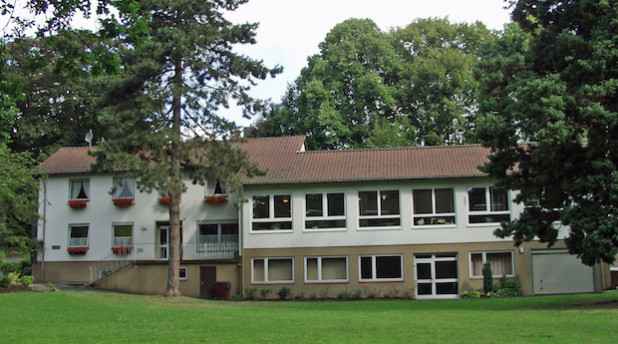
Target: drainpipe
43, 180
240, 240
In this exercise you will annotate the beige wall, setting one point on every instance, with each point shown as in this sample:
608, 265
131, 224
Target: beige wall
522, 263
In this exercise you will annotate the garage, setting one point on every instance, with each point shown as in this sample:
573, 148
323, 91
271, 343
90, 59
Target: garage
557, 272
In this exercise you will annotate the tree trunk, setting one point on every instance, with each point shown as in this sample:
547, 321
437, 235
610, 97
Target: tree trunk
173, 278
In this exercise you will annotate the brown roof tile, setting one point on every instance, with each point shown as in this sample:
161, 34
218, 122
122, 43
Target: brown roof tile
284, 163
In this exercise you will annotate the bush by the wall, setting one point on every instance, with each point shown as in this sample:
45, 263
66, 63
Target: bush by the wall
488, 278
26, 280
284, 293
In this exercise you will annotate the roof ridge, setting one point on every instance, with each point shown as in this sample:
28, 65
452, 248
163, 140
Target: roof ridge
392, 149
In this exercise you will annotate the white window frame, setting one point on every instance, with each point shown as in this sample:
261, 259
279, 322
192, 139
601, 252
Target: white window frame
271, 214
120, 181
180, 270
434, 280
433, 210
484, 260
71, 226
324, 216
82, 180
374, 270
488, 210
203, 246
266, 280
114, 224
319, 266
379, 214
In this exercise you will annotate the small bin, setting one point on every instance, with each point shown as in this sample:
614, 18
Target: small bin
222, 290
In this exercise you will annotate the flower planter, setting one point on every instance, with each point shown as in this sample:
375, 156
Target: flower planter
164, 200
78, 203
215, 199
122, 250
77, 250
123, 202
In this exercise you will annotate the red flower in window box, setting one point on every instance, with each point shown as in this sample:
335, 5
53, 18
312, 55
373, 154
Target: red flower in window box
215, 199
123, 202
164, 200
122, 250
77, 250
78, 203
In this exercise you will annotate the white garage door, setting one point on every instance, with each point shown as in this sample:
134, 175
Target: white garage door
555, 271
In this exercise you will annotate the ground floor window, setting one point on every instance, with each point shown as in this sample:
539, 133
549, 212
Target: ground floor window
272, 270
436, 275
326, 269
381, 268
78, 235
123, 235
182, 273
501, 263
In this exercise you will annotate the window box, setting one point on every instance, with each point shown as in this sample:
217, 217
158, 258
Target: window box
165, 200
123, 202
78, 203
122, 250
215, 199
77, 250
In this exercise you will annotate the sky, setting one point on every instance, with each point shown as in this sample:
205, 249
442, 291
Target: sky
290, 30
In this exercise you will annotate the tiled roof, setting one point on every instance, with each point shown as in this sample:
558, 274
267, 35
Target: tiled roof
285, 163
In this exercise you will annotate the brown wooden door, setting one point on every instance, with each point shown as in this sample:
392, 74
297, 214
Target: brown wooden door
208, 276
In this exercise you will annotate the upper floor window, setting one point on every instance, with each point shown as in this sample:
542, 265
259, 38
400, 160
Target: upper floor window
494, 211
124, 188
217, 237
325, 211
272, 213
78, 235
80, 189
379, 208
433, 207
215, 187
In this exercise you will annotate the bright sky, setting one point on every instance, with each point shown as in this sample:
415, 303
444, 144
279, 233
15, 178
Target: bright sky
290, 30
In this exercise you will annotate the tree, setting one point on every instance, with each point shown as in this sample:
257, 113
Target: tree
553, 126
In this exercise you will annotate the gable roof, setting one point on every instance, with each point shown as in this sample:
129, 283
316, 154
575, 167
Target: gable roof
286, 162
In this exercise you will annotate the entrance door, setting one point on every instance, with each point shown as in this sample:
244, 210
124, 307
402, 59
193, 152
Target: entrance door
208, 276
164, 241
436, 275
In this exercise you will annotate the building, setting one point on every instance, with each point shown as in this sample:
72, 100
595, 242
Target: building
403, 221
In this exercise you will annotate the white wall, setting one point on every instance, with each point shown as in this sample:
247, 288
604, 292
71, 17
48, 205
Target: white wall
100, 214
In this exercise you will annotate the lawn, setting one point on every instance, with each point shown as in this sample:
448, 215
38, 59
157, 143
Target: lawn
101, 317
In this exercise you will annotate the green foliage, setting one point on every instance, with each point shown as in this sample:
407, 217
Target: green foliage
250, 293
488, 278
510, 287
264, 293
551, 83
236, 297
284, 293
26, 280
471, 294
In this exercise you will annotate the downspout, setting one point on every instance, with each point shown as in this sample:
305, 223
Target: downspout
240, 241
43, 180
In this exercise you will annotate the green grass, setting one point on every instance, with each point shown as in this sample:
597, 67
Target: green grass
101, 317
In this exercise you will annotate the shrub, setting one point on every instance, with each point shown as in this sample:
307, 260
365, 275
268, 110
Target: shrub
313, 296
357, 294
13, 278
250, 293
471, 294
510, 287
298, 297
25, 267
26, 280
488, 278
236, 297
264, 292
284, 293
4, 281
8, 267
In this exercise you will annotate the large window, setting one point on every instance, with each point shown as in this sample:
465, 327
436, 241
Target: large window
381, 268
123, 235
272, 213
433, 207
325, 211
326, 269
124, 188
501, 263
80, 189
272, 270
488, 205
379, 208
78, 235
436, 275
216, 237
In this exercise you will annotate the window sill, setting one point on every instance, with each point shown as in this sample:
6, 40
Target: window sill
327, 282
275, 282
309, 230
386, 280
379, 228
450, 225
272, 231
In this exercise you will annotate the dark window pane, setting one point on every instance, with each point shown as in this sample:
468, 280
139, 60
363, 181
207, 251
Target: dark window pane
208, 229
229, 228
389, 202
444, 201
423, 270
313, 204
490, 218
423, 289
366, 268
446, 255
388, 267
79, 232
325, 224
260, 207
446, 288
368, 203
476, 196
271, 226
422, 201
499, 199
420, 256
336, 205
282, 206
446, 269
379, 222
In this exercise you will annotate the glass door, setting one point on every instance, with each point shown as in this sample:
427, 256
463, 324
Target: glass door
436, 275
163, 241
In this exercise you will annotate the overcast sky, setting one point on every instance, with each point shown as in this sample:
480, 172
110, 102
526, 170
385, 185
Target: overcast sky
290, 30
